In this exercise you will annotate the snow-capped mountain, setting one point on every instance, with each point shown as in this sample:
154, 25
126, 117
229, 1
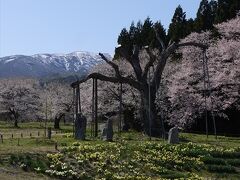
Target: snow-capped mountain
41, 65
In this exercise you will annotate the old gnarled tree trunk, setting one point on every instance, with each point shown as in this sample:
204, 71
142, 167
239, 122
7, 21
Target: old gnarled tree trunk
151, 124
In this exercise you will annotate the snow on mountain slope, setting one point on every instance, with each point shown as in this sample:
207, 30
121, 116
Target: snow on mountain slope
40, 65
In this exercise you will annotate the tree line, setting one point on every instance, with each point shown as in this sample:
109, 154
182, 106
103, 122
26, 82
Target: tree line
209, 13
26, 99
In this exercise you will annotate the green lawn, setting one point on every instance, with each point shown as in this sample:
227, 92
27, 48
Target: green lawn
130, 156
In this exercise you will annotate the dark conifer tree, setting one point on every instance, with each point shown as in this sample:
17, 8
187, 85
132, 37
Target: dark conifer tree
161, 32
177, 27
147, 33
205, 16
124, 40
189, 26
227, 9
141, 35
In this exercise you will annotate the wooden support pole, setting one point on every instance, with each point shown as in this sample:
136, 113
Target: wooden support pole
46, 117
56, 146
76, 100
209, 92
149, 105
93, 100
96, 108
76, 105
205, 95
73, 120
79, 99
120, 108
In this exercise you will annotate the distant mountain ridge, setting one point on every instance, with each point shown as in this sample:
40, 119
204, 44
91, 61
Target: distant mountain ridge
41, 65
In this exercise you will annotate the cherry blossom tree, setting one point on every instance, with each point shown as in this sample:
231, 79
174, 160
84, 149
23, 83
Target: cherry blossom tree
56, 101
184, 80
20, 98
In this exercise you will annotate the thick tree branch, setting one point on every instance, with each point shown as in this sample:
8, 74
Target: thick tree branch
165, 55
161, 64
149, 64
112, 64
116, 95
135, 62
125, 80
159, 39
200, 45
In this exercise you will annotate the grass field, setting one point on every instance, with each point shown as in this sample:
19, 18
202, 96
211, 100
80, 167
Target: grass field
130, 156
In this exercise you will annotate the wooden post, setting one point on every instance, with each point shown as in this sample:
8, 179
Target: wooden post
79, 99
93, 100
120, 108
56, 146
76, 100
149, 105
205, 97
49, 132
76, 105
205, 59
96, 108
12, 136
21, 135
73, 111
45, 132
2, 138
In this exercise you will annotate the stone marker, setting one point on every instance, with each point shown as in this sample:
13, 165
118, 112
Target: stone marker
173, 136
80, 127
107, 132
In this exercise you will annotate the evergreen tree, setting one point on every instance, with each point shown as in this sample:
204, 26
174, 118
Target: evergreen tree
138, 36
124, 40
161, 32
134, 33
141, 35
177, 27
227, 9
124, 37
205, 16
189, 26
147, 33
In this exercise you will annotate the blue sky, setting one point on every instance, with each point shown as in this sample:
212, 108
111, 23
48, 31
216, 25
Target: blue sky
63, 26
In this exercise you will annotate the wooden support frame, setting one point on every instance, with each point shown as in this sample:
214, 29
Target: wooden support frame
78, 109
